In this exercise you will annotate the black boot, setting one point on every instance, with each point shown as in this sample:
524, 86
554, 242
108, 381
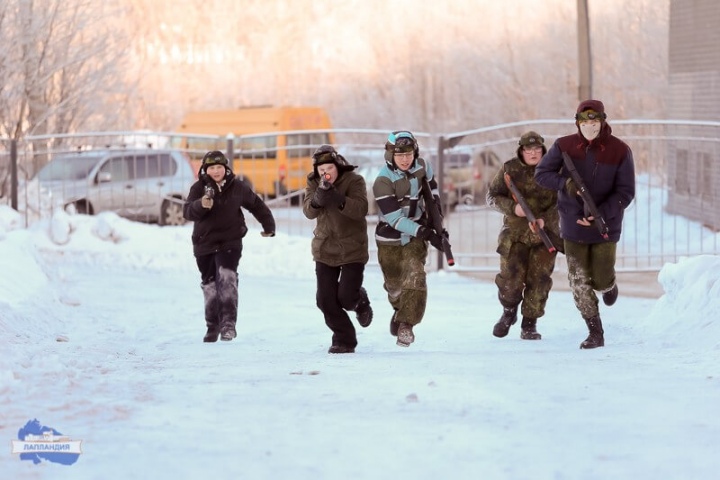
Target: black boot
528, 331
394, 325
211, 313
610, 297
363, 310
213, 332
595, 339
509, 317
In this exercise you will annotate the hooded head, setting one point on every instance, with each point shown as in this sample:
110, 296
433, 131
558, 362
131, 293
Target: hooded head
215, 157
590, 110
400, 141
530, 139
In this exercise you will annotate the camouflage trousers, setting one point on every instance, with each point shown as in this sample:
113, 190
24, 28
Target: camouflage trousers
590, 268
525, 276
403, 269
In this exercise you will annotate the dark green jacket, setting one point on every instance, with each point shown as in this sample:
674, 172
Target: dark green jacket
542, 202
340, 236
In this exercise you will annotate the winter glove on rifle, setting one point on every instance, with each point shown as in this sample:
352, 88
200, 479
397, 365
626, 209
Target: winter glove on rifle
429, 235
326, 195
571, 188
207, 200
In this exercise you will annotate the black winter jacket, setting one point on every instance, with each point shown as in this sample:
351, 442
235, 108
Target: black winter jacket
223, 226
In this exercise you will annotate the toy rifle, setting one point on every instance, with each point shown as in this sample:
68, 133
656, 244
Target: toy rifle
586, 197
433, 210
517, 196
209, 192
325, 182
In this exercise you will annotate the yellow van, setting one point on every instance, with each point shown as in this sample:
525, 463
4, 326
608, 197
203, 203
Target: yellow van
272, 146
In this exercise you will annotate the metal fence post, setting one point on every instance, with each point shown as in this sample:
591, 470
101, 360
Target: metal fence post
230, 147
13, 175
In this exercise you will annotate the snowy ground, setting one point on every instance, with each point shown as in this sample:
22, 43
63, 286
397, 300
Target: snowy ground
101, 325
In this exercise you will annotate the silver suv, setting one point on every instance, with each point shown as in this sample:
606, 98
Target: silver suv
144, 185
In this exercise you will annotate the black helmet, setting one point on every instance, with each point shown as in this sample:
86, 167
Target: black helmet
400, 141
215, 157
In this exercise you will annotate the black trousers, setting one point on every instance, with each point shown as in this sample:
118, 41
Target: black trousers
338, 290
218, 273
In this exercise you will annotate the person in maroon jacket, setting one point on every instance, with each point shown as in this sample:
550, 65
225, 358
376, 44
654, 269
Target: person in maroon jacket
605, 164
215, 204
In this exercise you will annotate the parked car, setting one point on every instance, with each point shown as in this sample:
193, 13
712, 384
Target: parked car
144, 185
369, 172
471, 173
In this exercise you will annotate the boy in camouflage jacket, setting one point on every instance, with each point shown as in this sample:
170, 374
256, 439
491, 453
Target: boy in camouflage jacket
526, 264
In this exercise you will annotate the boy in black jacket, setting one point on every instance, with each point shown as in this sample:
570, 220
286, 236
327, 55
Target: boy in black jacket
215, 204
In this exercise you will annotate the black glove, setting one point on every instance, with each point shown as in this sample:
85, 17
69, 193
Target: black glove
327, 195
429, 235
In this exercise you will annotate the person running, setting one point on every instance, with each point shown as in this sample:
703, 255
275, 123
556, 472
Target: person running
215, 204
605, 164
336, 197
526, 263
402, 234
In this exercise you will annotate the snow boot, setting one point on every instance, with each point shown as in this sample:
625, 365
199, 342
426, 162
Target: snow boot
528, 330
509, 317
213, 332
227, 332
211, 312
595, 339
341, 349
394, 325
363, 310
610, 296
405, 335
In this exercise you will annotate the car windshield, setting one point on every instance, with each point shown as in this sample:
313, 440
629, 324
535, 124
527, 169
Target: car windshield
67, 168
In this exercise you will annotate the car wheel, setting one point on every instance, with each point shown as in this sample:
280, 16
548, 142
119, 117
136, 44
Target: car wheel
79, 208
171, 213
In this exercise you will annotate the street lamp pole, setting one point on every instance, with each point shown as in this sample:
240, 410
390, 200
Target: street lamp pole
584, 51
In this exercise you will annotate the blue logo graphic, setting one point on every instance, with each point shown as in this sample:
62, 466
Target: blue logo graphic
38, 442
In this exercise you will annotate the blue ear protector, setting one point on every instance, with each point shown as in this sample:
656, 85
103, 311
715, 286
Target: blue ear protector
394, 136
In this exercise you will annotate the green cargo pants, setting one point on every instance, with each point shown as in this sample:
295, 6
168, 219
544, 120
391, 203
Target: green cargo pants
403, 269
590, 268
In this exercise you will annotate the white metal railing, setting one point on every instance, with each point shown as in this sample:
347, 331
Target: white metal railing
673, 215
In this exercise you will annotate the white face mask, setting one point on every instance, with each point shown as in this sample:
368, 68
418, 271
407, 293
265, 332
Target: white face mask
590, 129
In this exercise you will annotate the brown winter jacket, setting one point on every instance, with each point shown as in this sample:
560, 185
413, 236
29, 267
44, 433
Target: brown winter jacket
340, 236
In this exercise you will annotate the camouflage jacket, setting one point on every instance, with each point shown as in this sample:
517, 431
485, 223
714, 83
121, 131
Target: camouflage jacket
542, 202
